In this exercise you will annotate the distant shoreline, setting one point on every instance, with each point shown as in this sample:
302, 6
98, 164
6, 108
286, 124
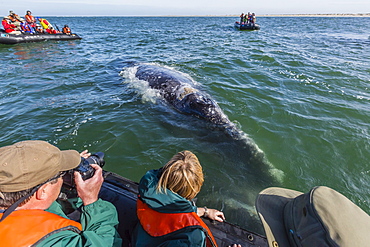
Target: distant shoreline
316, 15
261, 15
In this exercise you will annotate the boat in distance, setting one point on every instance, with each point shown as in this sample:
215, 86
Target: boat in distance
11, 39
248, 26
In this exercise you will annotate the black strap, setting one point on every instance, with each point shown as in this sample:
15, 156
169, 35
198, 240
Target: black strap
10, 209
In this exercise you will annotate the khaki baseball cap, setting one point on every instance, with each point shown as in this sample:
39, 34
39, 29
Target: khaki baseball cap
26, 164
322, 217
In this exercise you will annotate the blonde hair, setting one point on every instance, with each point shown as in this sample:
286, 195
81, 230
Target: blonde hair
183, 175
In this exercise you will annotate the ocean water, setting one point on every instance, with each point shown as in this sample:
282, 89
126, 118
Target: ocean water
299, 89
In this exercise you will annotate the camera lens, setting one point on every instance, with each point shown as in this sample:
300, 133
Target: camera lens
96, 158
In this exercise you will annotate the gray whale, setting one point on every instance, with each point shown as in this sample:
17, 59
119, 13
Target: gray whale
179, 91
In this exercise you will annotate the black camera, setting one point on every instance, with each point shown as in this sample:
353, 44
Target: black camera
85, 168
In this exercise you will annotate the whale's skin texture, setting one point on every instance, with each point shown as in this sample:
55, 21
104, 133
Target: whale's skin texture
179, 91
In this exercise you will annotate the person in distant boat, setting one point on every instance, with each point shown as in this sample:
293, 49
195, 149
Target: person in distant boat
31, 177
30, 19
250, 18
45, 25
245, 21
15, 19
165, 207
241, 19
26, 28
254, 19
67, 30
9, 27
38, 28
51, 30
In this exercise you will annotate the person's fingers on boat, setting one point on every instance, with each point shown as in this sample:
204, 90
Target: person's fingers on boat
235, 245
214, 214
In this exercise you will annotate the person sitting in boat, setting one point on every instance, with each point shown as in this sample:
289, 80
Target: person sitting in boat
31, 177
322, 217
254, 19
9, 27
15, 19
67, 30
51, 30
165, 207
30, 19
26, 28
246, 18
250, 18
242, 19
38, 29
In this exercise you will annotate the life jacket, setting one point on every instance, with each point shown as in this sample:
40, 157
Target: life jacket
52, 31
66, 30
38, 29
30, 19
158, 224
14, 18
8, 27
44, 23
30, 226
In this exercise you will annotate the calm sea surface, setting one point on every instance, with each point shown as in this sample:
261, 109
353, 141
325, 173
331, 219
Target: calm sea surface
299, 88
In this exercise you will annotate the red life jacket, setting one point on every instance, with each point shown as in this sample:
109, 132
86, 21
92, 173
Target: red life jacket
158, 224
8, 27
29, 226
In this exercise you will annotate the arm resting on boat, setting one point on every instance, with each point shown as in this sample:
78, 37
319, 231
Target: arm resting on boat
210, 213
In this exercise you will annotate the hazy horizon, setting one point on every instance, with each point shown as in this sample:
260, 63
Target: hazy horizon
182, 8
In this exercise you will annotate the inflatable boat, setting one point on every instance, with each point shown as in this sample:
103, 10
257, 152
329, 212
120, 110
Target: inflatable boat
122, 193
11, 39
248, 26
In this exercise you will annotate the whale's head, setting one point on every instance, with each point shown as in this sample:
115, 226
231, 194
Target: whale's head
204, 107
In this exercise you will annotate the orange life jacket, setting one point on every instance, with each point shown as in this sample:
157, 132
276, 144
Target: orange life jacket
30, 19
14, 18
66, 30
29, 226
158, 224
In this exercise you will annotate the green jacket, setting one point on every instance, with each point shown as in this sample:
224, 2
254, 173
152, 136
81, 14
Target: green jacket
168, 202
98, 222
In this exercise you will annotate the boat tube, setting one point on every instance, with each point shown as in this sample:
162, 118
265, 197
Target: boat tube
248, 26
11, 39
122, 193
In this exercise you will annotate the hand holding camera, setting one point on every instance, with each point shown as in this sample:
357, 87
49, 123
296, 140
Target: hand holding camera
88, 189
87, 178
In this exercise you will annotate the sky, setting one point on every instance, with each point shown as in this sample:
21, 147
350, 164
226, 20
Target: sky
181, 7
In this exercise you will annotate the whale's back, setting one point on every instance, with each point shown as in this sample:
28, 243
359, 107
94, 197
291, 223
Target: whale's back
179, 91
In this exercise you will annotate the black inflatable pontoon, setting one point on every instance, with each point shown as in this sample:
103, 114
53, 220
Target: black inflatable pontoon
122, 192
11, 39
248, 26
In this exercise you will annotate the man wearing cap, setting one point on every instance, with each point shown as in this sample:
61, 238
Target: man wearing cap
320, 218
30, 182
15, 19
